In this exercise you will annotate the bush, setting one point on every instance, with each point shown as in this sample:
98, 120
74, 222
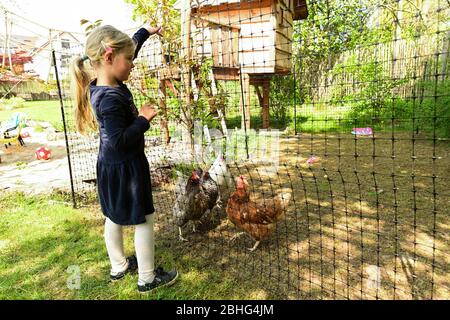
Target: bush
282, 97
381, 112
430, 109
58, 125
433, 107
38, 128
12, 103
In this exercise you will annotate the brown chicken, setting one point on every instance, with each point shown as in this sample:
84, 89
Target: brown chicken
257, 218
196, 199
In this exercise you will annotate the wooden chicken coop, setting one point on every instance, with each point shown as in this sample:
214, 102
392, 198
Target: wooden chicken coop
254, 36
247, 40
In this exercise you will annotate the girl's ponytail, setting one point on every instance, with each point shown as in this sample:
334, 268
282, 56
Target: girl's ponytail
96, 44
84, 116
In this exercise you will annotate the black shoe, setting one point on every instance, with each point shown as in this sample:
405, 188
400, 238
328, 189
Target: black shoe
162, 278
132, 268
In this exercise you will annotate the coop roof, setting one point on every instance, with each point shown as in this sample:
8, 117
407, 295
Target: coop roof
300, 7
202, 3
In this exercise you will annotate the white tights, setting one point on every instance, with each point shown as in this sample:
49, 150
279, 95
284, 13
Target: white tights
144, 242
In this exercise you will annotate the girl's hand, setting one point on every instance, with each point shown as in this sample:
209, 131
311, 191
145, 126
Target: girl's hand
148, 111
155, 30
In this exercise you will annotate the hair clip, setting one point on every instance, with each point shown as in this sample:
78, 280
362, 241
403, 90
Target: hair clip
107, 49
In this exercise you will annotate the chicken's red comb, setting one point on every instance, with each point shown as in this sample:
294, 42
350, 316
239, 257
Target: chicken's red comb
242, 178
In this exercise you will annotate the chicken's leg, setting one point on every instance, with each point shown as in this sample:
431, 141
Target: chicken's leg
237, 235
254, 247
218, 203
180, 236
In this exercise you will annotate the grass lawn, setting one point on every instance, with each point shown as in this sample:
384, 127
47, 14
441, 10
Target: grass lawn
49, 111
42, 236
309, 119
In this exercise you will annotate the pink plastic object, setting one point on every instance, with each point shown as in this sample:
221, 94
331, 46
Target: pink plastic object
312, 160
362, 131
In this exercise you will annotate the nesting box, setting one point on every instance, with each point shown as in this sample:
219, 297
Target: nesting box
253, 35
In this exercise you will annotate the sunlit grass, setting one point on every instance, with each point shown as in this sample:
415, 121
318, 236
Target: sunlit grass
42, 236
48, 111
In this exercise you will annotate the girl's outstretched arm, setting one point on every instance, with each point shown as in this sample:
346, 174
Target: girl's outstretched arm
142, 35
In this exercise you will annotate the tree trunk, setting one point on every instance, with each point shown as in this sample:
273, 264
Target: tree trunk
163, 122
245, 101
397, 41
186, 117
265, 106
445, 57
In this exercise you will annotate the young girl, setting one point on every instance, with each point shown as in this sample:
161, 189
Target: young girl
123, 174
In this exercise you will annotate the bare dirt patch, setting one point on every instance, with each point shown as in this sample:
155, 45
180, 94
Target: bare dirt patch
20, 171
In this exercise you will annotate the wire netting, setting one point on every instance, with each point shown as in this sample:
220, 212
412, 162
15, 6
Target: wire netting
336, 113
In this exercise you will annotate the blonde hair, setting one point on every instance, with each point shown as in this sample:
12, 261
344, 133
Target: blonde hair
101, 39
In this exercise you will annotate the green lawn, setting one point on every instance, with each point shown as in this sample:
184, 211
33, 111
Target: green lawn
49, 111
42, 236
309, 119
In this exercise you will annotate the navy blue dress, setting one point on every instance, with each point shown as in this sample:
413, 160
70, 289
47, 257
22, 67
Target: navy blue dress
123, 172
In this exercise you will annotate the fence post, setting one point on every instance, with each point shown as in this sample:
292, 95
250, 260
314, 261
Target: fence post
244, 106
65, 128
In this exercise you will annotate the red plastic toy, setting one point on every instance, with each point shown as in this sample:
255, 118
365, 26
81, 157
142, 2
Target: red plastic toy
43, 153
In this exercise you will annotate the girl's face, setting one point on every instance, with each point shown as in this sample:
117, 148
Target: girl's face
122, 65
